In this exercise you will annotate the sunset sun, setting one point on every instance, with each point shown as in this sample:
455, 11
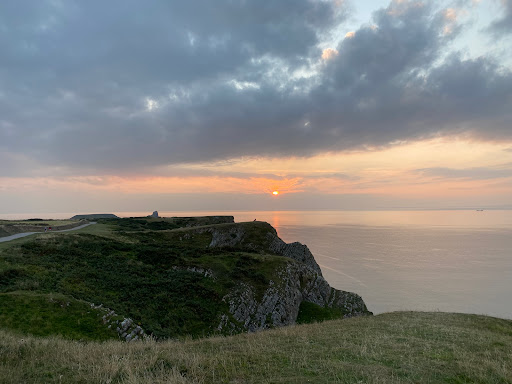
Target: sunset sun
275, 193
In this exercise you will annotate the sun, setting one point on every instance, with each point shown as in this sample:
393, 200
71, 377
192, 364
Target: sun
275, 193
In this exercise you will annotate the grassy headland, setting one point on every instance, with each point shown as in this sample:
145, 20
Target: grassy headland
164, 278
402, 347
168, 280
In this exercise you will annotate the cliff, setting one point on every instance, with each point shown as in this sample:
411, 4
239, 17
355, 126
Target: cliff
298, 281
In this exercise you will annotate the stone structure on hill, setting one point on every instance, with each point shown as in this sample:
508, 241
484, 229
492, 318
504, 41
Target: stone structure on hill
154, 214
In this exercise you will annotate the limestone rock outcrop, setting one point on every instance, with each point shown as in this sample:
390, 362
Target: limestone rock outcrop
125, 327
300, 279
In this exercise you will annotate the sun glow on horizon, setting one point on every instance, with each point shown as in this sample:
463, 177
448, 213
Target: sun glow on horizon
440, 170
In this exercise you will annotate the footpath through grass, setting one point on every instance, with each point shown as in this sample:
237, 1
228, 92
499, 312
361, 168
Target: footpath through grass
8, 227
390, 348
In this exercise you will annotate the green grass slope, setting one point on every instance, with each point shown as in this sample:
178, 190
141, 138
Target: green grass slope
10, 227
390, 348
52, 314
142, 269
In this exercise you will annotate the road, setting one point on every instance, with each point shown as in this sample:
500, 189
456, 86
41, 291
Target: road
19, 235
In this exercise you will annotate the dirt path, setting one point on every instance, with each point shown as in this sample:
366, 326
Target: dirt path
19, 235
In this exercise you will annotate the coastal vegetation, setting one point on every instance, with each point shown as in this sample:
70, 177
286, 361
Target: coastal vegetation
407, 347
12, 227
164, 275
64, 297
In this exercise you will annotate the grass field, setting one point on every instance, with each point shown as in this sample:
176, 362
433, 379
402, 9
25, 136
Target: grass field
407, 347
52, 314
11, 227
43, 222
96, 229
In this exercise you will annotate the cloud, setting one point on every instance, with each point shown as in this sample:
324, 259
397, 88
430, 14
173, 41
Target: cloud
127, 86
451, 17
503, 25
329, 53
479, 173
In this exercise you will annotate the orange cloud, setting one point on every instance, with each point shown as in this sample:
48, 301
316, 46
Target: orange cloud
329, 54
450, 16
156, 185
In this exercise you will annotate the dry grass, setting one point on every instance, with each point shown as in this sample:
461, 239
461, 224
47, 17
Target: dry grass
50, 222
103, 230
390, 348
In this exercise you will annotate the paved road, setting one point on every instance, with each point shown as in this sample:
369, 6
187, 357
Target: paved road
19, 235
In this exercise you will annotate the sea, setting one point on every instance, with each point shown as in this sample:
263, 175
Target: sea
445, 260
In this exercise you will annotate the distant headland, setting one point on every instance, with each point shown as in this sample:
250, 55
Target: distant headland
95, 216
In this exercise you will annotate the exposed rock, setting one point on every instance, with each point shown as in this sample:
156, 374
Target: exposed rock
281, 301
300, 280
230, 236
154, 214
125, 327
297, 280
201, 271
264, 239
296, 251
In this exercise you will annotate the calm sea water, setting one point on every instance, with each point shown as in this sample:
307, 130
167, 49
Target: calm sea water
457, 261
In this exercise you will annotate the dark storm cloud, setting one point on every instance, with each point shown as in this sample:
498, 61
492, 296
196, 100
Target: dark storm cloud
385, 85
124, 85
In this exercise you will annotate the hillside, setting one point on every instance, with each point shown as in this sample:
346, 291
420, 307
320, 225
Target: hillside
164, 277
66, 300
389, 348
8, 227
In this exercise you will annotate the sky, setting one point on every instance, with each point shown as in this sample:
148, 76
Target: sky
198, 105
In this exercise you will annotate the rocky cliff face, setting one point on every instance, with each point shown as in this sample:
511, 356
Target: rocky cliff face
298, 281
